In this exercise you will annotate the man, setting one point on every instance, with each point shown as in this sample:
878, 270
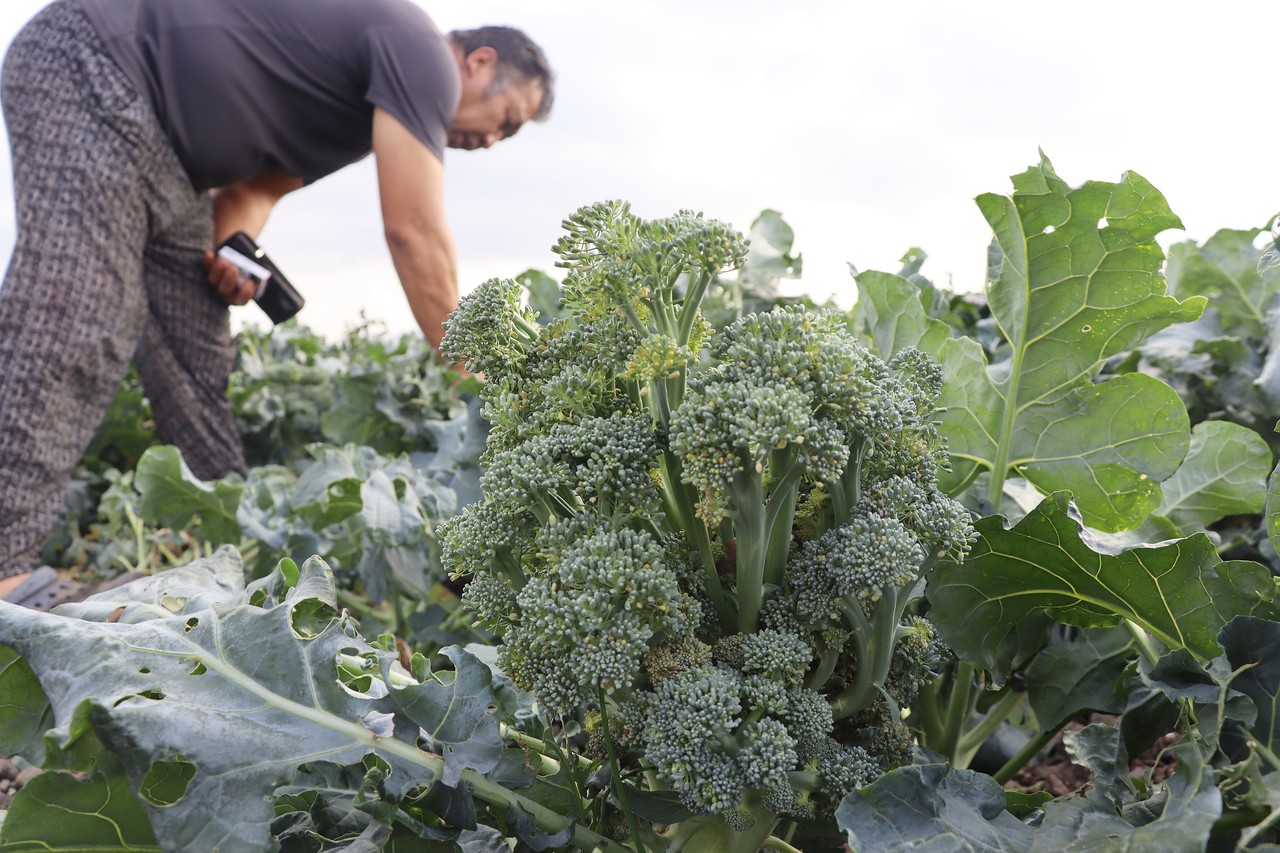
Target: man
143, 133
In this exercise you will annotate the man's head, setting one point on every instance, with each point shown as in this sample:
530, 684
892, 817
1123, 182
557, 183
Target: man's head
506, 82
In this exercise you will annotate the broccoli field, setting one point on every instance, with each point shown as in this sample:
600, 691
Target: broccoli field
696, 566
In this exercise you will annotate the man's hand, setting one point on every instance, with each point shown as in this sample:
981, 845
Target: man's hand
234, 287
242, 207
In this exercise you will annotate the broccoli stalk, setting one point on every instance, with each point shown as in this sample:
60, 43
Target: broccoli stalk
708, 540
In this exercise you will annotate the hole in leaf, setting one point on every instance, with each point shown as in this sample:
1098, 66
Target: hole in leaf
311, 617
358, 675
1048, 229
199, 670
1086, 328
192, 623
166, 782
1103, 223
144, 670
153, 695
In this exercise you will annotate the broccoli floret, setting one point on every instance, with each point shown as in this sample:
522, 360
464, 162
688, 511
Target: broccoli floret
586, 625
852, 567
490, 331
917, 659
809, 720
701, 739
680, 655
843, 770
739, 820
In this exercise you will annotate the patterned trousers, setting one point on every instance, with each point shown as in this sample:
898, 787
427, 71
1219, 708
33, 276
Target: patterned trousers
106, 269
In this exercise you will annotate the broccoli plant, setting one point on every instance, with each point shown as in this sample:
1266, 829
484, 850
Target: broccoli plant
705, 546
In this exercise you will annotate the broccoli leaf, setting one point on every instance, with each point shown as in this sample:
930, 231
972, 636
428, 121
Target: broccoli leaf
1089, 825
25, 714
56, 811
1221, 476
173, 496
243, 693
1255, 643
1081, 674
891, 314
917, 804
1226, 269
1073, 279
1180, 592
200, 585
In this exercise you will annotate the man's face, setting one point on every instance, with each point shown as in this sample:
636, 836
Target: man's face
484, 117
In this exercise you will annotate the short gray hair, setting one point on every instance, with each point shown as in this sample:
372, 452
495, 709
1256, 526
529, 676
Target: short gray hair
519, 59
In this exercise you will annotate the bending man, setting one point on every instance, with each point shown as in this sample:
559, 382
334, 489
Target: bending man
144, 132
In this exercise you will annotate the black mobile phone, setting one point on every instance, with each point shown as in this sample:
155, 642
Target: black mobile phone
275, 295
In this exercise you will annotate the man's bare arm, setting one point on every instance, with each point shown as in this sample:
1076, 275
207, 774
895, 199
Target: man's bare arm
411, 187
243, 207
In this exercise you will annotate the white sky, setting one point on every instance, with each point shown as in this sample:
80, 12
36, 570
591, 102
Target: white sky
870, 126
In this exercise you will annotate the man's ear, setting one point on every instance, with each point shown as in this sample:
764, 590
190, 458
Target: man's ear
481, 61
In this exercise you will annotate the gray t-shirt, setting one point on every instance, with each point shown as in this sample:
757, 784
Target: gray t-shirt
243, 87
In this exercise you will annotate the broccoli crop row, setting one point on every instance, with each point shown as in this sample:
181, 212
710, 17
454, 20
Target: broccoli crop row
710, 539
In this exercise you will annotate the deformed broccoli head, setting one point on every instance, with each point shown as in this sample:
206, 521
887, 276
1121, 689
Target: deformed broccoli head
918, 657
844, 769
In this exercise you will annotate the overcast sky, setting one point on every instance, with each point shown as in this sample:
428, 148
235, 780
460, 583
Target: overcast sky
870, 126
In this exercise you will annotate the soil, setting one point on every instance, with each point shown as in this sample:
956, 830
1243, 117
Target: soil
11, 779
1055, 772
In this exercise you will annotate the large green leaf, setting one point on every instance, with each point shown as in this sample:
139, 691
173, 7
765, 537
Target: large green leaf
211, 712
1073, 279
173, 496
1224, 474
1091, 825
58, 812
243, 693
200, 585
891, 314
1226, 269
914, 805
1255, 644
1180, 592
25, 714
1080, 674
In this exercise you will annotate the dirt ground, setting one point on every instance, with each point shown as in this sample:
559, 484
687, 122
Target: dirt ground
1055, 773
11, 779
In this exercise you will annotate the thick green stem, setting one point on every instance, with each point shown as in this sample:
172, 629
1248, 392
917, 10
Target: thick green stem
1143, 641
678, 501
619, 789
692, 301
750, 532
775, 843
925, 715
781, 514
1024, 756
1000, 465
971, 740
847, 491
874, 650
821, 674
960, 706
